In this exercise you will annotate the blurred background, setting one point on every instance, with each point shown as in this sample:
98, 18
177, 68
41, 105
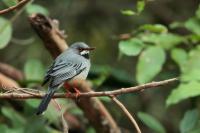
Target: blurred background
136, 42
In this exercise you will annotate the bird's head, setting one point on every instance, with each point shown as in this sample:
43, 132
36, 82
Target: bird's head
82, 49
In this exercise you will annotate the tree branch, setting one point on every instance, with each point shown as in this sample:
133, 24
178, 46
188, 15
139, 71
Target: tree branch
48, 30
24, 93
118, 103
17, 6
39, 94
7, 83
11, 72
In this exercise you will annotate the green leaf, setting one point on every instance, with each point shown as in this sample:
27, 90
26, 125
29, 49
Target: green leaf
183, 91
150, 64
53, 113
190, 70
10, 3
128, 12
193, 24
16, 119
131, 47
5, 32
179, 56
34, 8
197, 130
165, 40
198, 12
5, 129
33, 102
76, 111
140, 6
157, 28
100, 79
90, 130
189, 121
176, 25
194, 38
36, 125
151, 122
34, 70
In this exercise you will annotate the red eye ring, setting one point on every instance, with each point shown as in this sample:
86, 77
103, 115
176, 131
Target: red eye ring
80, 49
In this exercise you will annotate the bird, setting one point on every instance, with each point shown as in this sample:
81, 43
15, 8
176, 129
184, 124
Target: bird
72, 64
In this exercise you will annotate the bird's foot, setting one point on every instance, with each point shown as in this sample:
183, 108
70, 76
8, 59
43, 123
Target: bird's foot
67, 88
77, 93
68, 94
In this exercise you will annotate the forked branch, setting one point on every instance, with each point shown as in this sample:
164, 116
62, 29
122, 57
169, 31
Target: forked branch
39, 94
25, 93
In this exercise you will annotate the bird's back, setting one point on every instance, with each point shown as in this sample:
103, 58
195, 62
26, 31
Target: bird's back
68, 66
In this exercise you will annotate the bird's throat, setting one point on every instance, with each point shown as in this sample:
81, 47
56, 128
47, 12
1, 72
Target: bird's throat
86, 55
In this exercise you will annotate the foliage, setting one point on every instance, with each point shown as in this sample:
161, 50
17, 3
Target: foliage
139, 8
151, 122
157, 41
34, 8
190, 121
155, 51
32, 72
153, 57
5, 32
149, 63
131, 47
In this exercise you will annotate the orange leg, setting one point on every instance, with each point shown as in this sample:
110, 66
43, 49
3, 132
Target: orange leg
67, 87
77, 92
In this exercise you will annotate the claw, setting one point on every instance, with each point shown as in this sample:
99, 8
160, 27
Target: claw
77, 93
67, 87
68, 93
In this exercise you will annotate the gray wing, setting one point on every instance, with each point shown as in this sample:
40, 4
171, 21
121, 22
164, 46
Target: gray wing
52, 69
62, 71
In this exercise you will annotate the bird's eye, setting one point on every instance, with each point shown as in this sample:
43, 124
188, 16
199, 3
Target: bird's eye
80, 49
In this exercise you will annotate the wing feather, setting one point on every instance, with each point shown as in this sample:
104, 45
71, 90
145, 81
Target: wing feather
63, 70
65, 75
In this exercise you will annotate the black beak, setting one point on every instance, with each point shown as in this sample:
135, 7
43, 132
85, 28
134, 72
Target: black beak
89, 49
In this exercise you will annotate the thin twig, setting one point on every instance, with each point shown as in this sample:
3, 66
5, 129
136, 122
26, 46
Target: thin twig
127, 113
40, 94
17, 6
64, 122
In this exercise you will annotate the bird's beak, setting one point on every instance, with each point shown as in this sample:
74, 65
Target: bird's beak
89, 49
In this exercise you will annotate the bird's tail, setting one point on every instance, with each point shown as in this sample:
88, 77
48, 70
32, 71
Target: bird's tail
45, 101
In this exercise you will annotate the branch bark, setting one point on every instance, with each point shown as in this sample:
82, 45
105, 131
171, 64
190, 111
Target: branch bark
53, 39
7, 83
17, 6
11, 72
29, 93
25, 93
133, 121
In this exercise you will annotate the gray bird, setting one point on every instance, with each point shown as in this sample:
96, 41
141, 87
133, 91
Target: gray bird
73, 63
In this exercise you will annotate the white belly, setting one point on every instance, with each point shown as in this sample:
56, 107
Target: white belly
82, 76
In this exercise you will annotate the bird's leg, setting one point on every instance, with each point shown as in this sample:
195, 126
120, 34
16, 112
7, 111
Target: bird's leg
67, 87
77, 92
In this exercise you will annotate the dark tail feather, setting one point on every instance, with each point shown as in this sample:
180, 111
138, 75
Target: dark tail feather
45, 101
